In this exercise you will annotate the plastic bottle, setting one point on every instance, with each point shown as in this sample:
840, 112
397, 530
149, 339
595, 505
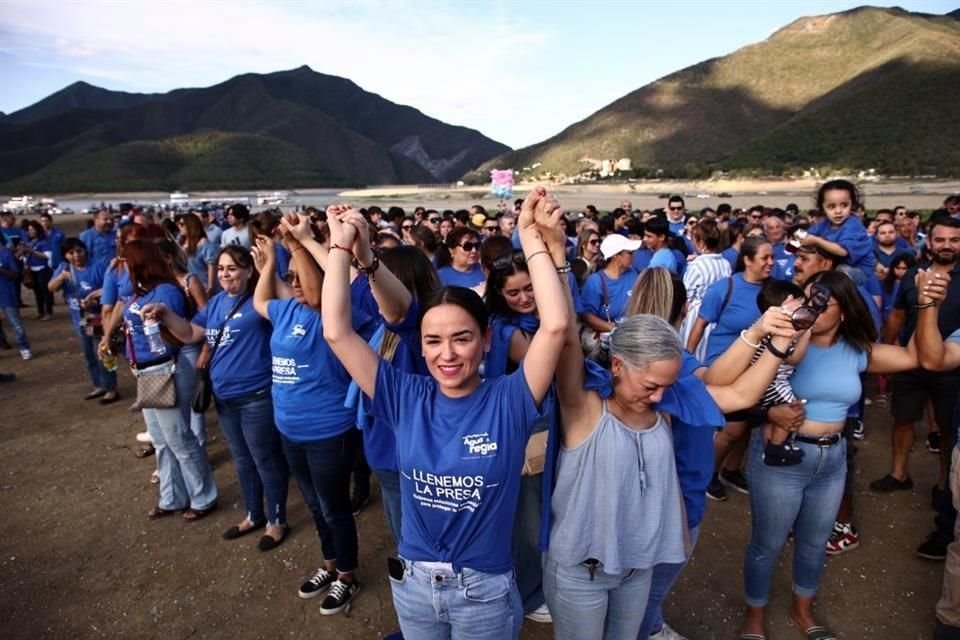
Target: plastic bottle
151, 329
109, 360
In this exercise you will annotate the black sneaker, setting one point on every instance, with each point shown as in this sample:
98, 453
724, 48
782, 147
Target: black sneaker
933, 442
734, 480
715, 490
935, 548
341, 593
318, 584
357, 503
889, 484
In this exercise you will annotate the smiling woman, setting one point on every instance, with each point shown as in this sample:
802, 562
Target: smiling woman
460, 479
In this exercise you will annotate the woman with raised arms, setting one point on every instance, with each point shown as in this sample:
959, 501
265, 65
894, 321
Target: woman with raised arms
460, 439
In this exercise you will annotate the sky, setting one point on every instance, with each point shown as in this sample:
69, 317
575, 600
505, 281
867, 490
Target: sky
518, 71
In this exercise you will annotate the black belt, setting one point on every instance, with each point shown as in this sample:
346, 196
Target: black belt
821, 441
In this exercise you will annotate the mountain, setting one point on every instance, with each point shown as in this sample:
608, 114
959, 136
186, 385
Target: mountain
866, 88
302, 129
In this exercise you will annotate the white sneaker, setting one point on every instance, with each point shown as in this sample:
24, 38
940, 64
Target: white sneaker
540, 614
667, 633
144, 437
26, 354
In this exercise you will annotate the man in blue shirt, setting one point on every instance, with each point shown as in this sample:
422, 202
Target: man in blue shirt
655, 239
100, 240
776, 232
55, 237
676, 213
9, 304
211, 228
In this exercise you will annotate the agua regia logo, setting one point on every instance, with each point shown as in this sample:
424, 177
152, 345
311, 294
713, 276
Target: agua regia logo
298, 331
479, 444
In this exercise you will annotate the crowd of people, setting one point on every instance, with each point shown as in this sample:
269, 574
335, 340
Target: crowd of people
546, 399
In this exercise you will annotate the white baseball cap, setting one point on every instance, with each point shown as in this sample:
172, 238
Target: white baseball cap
615, 243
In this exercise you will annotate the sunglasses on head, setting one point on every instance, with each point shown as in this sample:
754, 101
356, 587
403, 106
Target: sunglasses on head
806, 316
469, 246
504, 261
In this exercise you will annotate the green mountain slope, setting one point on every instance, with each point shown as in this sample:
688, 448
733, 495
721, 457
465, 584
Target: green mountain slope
206, 160
740, 110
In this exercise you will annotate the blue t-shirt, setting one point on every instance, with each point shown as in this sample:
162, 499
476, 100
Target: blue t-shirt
450, 277
168, 294
206, 254
459, 478
101, 247
641, 259
740, 312
677, 228
731, 255
309, 383
852, 236
241, 363
9, 233
664, 258
782, 263
117, 286
8, 285
829, 396
35, 262
55, 237
618, 294
692, 443
886, 259
84, 282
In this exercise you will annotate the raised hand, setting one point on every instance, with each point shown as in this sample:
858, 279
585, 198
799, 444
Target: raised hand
362, 247
264, 254
296, 226
549, 218
931, 286
342, 234
776, 320
527, 218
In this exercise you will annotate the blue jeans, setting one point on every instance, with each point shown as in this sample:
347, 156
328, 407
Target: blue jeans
99, 376
186, 479
247, 424
13, 317
527, 561
439, 604
664, 575
389, 482
803, 497
322, 469
188, 359
598, 607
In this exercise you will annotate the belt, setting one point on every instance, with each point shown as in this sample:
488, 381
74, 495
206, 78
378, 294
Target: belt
821, 441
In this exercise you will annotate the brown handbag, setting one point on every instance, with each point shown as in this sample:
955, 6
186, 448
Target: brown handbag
156, 386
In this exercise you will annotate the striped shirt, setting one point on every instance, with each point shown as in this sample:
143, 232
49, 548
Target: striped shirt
703, 272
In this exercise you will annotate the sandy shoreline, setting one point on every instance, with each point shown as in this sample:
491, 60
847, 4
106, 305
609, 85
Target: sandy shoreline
605, 196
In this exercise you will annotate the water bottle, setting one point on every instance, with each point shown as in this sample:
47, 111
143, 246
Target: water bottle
151, 329
109, 360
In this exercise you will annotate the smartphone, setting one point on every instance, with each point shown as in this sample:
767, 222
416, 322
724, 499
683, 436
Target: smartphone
396, 568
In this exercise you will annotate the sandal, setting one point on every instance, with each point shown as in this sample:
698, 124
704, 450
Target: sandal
109, 400
192, 515
146, 452
96, 393
157, 512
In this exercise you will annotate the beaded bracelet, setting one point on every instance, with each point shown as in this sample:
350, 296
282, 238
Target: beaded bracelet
743, 336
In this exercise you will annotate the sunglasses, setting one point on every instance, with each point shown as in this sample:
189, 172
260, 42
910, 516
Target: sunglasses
593, 242
436, 220
290, 277
504, 261
406, 226
676, 208
469, 246
817, 302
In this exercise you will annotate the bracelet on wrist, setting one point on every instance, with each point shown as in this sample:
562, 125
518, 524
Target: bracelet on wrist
743, 336
348, 250
783, 355
563, 269
368, 271
535, 254
925, 305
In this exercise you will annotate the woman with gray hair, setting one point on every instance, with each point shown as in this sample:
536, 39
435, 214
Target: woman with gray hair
616, 509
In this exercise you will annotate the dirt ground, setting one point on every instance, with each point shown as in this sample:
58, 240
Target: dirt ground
80, 559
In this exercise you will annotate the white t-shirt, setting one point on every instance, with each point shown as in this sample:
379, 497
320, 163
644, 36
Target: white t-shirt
232, 236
